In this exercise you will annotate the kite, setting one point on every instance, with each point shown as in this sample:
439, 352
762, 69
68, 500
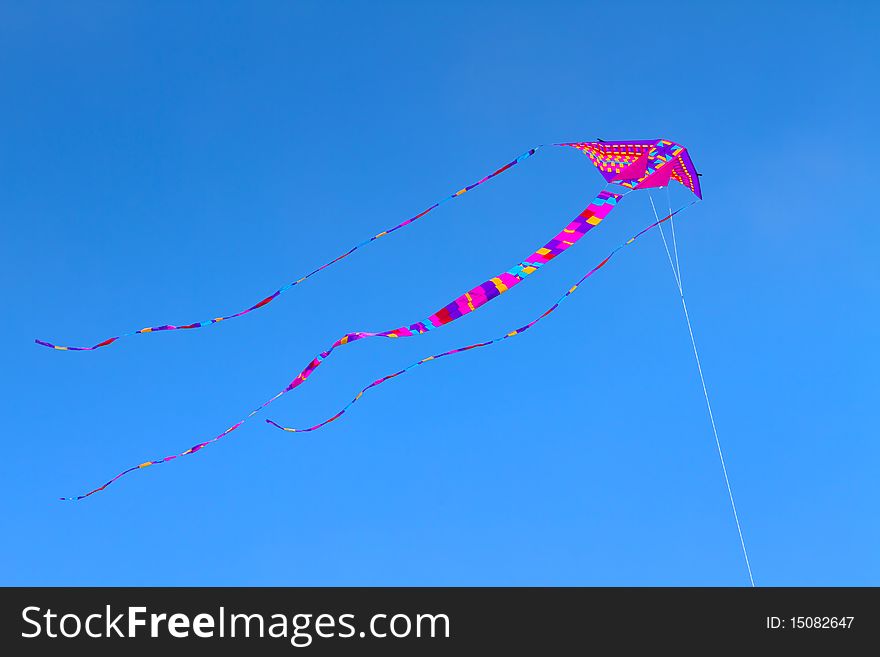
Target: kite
626, 166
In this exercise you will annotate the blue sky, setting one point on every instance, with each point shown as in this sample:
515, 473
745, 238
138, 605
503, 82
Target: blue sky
173, 161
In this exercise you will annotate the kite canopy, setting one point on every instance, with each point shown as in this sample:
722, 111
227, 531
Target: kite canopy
642, 164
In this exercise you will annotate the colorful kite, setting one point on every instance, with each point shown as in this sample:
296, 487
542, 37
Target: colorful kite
629, 165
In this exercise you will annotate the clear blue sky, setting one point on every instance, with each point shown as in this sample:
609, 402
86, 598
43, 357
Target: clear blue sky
166, 162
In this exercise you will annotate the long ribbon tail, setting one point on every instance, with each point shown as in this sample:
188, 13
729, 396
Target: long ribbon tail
316, 362
191, 450
591, 217
478, 345
278, 292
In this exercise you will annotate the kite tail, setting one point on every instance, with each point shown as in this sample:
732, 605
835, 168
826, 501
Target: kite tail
591, 217
278, 292
298, 381
478, 345
191, 450
351, 337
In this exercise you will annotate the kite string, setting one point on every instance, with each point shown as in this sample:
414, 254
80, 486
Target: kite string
677, 276
666, 245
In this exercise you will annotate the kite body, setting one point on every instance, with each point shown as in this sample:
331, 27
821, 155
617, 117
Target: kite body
625, 165
642, 164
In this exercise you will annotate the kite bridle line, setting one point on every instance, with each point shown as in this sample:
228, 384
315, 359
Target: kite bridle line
259, 408
676, 274
672, 227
